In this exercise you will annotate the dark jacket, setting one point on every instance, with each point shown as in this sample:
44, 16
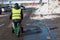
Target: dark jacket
16, 7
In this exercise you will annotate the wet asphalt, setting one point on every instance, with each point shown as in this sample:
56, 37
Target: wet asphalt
50, 28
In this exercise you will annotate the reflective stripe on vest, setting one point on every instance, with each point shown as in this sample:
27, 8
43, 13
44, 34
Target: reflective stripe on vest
16, 14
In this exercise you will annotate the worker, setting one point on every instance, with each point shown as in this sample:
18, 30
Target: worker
16, 16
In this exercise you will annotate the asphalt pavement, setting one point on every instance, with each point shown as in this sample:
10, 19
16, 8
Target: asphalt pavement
49, 25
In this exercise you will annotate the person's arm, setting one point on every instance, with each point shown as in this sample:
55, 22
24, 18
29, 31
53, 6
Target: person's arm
10, 14
10, 17
21, 15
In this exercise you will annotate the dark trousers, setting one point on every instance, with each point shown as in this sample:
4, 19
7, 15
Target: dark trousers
16, 22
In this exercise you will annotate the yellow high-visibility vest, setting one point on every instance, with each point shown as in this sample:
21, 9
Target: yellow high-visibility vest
16, 14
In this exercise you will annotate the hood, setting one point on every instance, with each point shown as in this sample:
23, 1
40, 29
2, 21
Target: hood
17, 7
